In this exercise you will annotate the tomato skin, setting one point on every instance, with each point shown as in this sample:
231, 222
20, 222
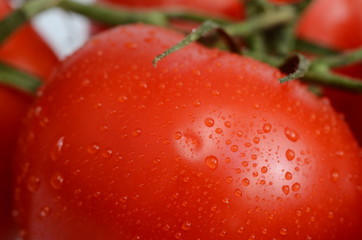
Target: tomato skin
338, 24
174, 152
27, 51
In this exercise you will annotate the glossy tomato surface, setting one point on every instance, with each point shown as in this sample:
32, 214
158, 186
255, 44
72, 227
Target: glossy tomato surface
207, 145
27, 51
338, 24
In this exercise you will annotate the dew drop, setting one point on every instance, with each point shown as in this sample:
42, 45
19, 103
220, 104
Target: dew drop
283, 231
93, 149
226, 200
229, 179
137, 132
227, 124
33, 183
212, 162
186, 225
264, 169
57, 181
267, 127
334, 176
234, 148
290, 154
246, 182
218, 130
44, 211
209, 122
295, 187
286, 189
240, 230
288, 175
238, 192
122, 99
177, 135
291, 135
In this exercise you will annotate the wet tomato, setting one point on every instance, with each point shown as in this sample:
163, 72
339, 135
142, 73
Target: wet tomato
207, 145
27, 51
338, 24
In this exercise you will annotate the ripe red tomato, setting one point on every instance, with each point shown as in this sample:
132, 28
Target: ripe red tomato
338, 24
208, 145
27, 51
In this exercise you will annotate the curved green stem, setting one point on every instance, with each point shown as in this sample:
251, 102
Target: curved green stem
17, 79
21, 15
323, 76
341, 59
262, 21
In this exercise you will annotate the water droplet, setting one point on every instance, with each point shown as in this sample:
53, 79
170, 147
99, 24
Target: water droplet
238, 192
218, 130
178, 135
295, 187
267, 127
330, 215
291, 135
226, 200
240, 230
245, 163
212, 162
334, 176
252, 237
186, 225
246, 182
234, 148
264, 231
222, 233
227, 124
44, 212
283, 231
33, 183
103, 128
209, 122
107, 153
137, 132
290, 154
264, 169
57, 181
229, 179
288, 175
93, 149
256, 140
178, 235
122, 99
286, 189
60, 144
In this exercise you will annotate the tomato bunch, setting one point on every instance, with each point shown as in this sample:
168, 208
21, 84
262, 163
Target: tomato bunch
205, 145
33, 56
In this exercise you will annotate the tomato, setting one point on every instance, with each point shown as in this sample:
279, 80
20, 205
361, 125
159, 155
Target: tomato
207, 145
338, 24
27, 51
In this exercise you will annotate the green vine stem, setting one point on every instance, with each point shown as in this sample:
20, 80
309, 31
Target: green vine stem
18, 79
21, 15
341, 59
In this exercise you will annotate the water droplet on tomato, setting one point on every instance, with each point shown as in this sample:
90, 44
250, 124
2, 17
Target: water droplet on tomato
209, 122
57, 181
286, 189
227, 124
334, 176
288, 175
178, 235
44, 212
252, 237
240, 230
234, 148
226, 200
218, 130
186, 225
33, 183
246, 182
291, 135
60, 144
295, 187
264, 231
290, 154
229, 179
267, 127
137, 132
212, 162
283, 231
264, 169
122, 99
238, 192
93, 149
177, 135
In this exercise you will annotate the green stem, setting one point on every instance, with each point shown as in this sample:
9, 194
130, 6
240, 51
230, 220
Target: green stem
260, 22
18, 17
17, 79
115, 15
341, 59
309, 47
323, 76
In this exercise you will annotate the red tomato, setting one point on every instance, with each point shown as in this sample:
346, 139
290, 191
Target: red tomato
27, 51
338, 24
207, 145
